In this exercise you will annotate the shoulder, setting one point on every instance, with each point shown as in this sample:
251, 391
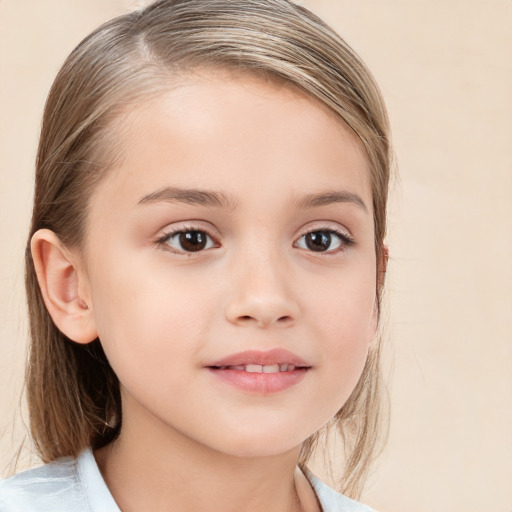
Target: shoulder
66, 485
52, 487
332, 501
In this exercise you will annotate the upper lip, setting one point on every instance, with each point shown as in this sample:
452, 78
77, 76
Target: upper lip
263, 357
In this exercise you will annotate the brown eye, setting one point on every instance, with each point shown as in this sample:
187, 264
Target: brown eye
319, 241
323, 240
189, 241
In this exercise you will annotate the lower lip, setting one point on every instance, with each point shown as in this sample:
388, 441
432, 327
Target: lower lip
260, 383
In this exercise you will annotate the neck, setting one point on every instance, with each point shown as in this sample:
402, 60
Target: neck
163, 470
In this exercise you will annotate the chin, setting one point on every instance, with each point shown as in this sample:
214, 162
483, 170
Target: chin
259, 444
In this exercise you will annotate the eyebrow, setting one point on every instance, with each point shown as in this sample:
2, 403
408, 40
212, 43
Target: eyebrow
210, 198
327, 198
189, 196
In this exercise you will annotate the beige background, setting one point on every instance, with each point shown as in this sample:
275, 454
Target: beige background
445, 68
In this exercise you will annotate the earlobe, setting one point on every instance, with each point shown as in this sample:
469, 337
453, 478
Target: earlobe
59, 280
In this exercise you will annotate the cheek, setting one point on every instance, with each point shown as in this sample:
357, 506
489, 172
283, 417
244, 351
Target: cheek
345, 306
147, 316
347, 327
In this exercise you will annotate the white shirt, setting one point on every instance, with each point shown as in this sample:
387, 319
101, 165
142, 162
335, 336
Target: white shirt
76, 485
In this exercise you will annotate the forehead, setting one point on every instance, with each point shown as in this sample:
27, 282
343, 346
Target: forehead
221, 130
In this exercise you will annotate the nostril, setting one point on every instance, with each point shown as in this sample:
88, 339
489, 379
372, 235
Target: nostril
282, 320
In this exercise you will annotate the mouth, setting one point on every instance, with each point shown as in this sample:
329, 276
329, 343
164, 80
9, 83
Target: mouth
260, 372
261, 361
259, 368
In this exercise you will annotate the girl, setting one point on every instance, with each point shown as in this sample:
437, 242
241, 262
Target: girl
205, 264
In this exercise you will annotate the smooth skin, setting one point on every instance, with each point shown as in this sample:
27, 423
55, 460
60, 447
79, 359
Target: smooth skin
280, 254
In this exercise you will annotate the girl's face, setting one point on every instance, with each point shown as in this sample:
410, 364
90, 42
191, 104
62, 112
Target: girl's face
233, 242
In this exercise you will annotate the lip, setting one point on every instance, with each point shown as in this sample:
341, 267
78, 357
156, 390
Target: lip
263, 357
260, 383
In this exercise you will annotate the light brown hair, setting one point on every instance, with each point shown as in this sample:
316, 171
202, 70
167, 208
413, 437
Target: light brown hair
73, 394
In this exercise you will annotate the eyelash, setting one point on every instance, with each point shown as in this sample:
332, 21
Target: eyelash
346, 241
164, 239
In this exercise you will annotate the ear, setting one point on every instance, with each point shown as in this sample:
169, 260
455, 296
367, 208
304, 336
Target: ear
61, 282
382, 265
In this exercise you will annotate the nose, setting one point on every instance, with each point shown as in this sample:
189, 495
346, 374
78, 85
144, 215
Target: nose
261, 294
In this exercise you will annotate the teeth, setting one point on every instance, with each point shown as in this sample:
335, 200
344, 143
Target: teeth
254, 368
261, 368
